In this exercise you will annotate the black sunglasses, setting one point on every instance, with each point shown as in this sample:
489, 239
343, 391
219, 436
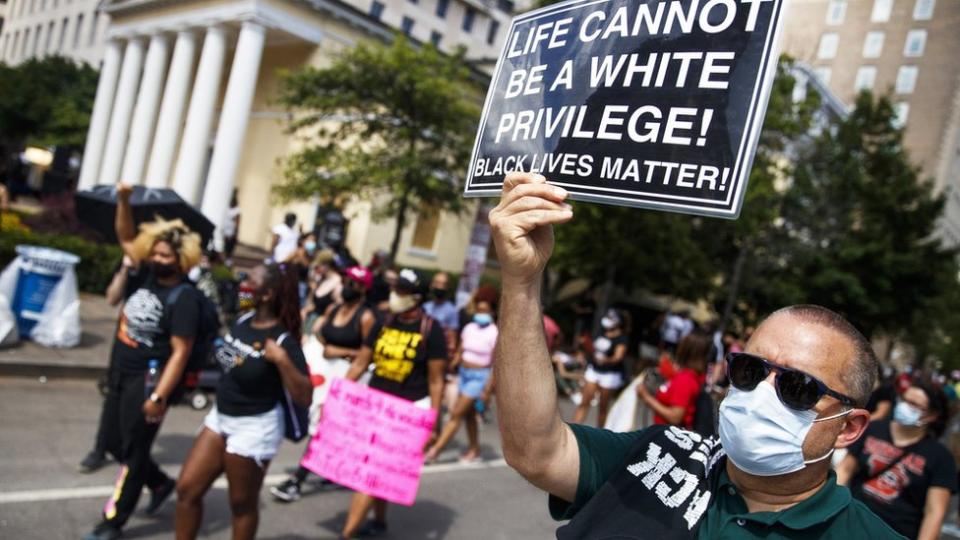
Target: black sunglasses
795, 388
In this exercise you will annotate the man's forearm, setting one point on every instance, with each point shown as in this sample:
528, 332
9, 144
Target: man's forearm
530, 424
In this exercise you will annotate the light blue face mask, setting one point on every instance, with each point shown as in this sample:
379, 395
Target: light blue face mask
764, 437
483, 319
907, 415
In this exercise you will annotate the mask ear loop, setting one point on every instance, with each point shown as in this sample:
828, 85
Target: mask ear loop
830, 453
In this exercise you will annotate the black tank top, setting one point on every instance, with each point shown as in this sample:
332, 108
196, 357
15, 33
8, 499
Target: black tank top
348, 336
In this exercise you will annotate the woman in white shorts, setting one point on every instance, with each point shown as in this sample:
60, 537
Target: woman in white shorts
260, 358
605, 368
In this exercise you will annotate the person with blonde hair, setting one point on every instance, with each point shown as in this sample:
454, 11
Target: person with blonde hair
155, 333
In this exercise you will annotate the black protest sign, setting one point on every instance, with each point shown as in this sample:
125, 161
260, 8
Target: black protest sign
649, 103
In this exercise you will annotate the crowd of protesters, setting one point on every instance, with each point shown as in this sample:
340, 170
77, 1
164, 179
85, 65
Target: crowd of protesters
903, 468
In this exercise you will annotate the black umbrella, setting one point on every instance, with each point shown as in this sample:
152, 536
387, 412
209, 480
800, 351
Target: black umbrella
97, 208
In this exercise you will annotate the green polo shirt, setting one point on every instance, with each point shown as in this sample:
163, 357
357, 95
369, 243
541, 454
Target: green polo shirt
831, 513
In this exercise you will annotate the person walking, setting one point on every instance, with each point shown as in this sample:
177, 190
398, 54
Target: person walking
285, 238
344, 328
900, 469
409, 353
261, 359
154, 337
604, 369
796, 395
231, 229
474, 361
674, 402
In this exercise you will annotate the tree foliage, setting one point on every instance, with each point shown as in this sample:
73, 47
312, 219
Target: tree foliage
394, 120
45, 102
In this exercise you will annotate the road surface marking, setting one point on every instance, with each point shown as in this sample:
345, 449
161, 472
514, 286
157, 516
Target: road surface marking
60, 494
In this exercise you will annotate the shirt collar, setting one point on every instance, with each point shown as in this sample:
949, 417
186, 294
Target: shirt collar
827, 502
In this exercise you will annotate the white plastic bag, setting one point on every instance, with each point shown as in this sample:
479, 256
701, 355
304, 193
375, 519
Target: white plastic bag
9, 334
59, 324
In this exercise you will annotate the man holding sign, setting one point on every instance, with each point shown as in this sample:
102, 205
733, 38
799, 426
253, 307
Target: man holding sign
797, 393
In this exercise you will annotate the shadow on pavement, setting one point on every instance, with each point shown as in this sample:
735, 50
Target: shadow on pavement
404, 522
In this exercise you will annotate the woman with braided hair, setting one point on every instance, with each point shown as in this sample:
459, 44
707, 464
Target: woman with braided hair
260, 359
156, 330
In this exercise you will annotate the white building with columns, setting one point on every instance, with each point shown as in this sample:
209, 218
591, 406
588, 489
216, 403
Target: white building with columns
185, 100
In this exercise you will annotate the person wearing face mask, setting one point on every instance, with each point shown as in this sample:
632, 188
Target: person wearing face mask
900, 469
409, 355
474, 360
797, 393
344, 328
604, 368
442, 309
325, 284
151, 329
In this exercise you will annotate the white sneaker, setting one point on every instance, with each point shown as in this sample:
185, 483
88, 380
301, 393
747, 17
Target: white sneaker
576, 398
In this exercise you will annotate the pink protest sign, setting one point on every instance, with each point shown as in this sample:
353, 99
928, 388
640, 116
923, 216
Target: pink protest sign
370, 441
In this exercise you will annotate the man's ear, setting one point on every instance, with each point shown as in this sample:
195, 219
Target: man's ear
856, 423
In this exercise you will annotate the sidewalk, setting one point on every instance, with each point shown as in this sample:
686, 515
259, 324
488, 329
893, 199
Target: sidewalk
89, 359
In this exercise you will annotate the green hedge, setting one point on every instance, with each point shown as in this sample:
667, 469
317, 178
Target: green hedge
97, 261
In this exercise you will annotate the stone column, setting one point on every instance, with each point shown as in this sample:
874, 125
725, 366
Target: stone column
193, 148
100, 117
145, 112
122, 109
233, 124
171, 110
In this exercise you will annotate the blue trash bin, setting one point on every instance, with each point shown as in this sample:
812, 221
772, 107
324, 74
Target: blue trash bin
40, 271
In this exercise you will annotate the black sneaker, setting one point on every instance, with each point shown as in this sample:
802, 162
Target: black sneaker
103, 531
372, 527
92, 462
288, 491
159, 495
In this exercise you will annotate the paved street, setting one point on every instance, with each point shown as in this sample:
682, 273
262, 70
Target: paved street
48, 427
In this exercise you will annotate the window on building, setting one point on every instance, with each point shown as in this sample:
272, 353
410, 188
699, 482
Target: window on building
63, 34
492, 31
425, 232
442, 6
822, 73
376, 10
881, 10
93, 29
76, 31
435, 38
468, 18
49, 44
873, 45
828, 45
836, 10
11, 54
35, 46
916, 41
866, 76
901, 111
799, 87
406, 25
906, 79
923, 10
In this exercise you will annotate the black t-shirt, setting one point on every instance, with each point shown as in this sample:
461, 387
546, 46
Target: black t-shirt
147, 320
400, 357
884, 393
604, 347
250, 383
893, 481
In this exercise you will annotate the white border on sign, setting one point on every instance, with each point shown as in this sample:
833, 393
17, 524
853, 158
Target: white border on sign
749, 139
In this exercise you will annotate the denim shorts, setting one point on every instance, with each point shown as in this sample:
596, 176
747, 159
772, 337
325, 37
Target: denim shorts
473, 380
256, 437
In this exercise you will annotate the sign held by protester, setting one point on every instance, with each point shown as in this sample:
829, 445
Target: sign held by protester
371, 442
648, 103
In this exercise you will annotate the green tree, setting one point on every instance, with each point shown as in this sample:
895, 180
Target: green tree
394, 120
862, 224
45, 102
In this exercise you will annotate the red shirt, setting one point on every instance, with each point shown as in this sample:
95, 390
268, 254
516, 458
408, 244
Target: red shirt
680, 391
552, 331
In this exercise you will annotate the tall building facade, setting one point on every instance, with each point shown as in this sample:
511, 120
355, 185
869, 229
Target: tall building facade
186, 95
906, 49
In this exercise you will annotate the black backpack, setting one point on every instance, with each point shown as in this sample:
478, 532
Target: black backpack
704, 415
208, 330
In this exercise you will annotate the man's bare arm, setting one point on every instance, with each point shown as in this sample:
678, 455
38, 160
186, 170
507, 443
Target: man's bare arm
536, 441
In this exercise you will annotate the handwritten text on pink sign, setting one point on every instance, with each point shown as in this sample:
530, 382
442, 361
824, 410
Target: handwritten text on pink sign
370, 441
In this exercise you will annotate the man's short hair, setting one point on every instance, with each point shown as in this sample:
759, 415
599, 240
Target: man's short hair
863, 368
